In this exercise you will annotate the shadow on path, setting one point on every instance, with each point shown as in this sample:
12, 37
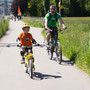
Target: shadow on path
65, 62
45, 76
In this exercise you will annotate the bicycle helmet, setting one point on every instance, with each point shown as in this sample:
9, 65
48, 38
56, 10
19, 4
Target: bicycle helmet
25, 25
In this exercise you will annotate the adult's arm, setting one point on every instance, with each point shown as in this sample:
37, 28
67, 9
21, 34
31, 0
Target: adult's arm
61, 21
46, 24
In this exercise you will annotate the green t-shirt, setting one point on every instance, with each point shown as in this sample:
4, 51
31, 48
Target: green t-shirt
52, 22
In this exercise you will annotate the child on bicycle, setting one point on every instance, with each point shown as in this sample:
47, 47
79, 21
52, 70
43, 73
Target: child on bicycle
26, 39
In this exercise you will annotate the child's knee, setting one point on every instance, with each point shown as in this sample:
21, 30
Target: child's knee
22, 53
33, 59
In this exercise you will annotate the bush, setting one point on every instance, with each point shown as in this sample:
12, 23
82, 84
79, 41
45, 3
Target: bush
4, 27
75, 46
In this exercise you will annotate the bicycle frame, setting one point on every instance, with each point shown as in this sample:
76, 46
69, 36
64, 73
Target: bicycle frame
53, 38
29, 63
28, 56
54, 46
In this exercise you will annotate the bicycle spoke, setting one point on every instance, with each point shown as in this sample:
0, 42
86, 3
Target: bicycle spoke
59, 53
30, 69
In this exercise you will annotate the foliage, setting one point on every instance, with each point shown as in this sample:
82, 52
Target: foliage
35, 8
46, 5
41, 7
21, 3
4, 27
74, 8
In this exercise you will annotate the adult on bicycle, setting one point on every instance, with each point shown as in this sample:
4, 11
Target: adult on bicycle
51, 20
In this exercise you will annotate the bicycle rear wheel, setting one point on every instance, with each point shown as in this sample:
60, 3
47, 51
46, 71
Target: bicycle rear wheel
59, 53
30, 69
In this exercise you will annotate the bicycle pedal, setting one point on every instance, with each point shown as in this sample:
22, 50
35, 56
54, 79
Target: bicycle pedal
22, 62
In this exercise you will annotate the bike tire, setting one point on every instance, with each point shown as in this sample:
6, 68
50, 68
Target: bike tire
50, 53
31, 69
59, 52
26, 68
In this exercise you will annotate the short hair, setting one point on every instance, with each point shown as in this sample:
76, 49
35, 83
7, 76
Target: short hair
52, 6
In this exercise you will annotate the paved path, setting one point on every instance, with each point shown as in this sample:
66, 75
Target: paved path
49, 74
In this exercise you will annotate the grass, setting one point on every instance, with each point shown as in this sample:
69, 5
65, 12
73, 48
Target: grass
75, 41
4, 27
77, 19
75, 44
34, 21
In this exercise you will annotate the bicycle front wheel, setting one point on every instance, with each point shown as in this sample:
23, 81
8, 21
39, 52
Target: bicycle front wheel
50, 53
59, 53
31, 69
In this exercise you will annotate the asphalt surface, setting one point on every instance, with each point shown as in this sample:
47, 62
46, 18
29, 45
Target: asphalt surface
49, 75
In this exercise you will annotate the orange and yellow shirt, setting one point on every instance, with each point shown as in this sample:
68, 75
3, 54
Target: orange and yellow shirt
26, 39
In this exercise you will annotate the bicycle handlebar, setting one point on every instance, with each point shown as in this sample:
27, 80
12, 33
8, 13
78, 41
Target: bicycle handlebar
35, 45
58, 29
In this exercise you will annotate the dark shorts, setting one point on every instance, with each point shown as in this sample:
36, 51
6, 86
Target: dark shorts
25, 50
54, 30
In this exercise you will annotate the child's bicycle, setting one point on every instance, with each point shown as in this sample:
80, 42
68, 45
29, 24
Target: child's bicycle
29, 61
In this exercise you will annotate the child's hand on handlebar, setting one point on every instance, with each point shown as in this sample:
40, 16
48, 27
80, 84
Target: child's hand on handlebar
19, 45
37, 44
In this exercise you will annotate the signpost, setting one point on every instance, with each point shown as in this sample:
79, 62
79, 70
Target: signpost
60, 6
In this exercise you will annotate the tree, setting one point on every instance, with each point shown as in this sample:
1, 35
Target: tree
57, 1
35, 8
46, 5
82, 5
21, 3
41, 7
74, 9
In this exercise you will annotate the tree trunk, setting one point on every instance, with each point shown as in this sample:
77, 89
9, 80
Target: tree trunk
46, 5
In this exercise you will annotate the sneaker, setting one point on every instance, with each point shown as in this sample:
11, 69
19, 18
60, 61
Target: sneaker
22, 61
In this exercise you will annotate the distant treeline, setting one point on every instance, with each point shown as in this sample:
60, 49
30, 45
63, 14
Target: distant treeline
72, 8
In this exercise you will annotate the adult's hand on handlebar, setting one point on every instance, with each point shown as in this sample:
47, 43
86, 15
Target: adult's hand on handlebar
63, 29
47, 28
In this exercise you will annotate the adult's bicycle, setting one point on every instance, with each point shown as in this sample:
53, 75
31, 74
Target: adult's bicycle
54, 45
